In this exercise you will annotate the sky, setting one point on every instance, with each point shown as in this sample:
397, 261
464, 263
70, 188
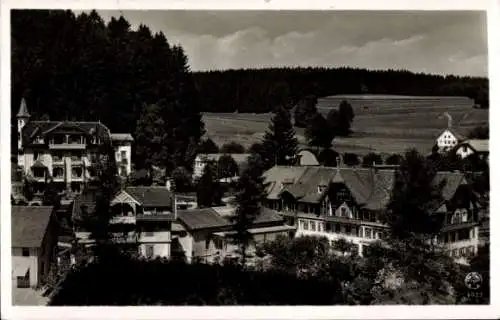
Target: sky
437, 42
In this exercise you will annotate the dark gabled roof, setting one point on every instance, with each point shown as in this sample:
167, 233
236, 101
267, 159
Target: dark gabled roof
34, 128
369, 187
478, 145
29, 225
152, 196
208, 218
201, 219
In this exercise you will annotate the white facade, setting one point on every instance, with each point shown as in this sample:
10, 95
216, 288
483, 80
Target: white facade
203, 159
65, 157
25, 265
473, 146
446, 140
362, 236
123, 156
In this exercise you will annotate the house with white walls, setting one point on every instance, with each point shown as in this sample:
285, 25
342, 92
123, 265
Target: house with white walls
479, 147
66, 153
34, 244
122, 143
349, 203
142, 219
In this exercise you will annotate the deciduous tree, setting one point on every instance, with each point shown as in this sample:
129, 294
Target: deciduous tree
318, 133
232, 147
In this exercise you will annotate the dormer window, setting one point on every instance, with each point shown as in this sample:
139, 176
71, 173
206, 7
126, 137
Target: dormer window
39, 139
321, 188
464, 216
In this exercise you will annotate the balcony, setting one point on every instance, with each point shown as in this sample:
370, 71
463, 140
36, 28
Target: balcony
158, 217
57, 160
67, 146
123, 219
58, 178
458, 226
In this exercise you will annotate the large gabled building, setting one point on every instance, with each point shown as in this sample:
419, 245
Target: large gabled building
348, 203
65, 152
34, 244
141, 220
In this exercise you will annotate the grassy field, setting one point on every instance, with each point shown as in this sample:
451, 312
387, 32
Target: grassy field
384, 124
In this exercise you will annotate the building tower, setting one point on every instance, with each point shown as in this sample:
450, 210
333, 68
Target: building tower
22, 119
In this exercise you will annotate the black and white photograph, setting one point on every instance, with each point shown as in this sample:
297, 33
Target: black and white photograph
248, 157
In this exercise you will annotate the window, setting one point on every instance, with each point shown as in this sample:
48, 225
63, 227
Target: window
464, 216
328, 226
306, 225
123, 154
337, 228
148, 233
472, 233
39, 172
313, 225
218, 243
150, 250
25, 252
320, 226
348, 229
343, 212
368, 233
58, 172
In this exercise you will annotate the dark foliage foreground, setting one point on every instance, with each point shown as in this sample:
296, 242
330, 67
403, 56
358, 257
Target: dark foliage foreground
126, 281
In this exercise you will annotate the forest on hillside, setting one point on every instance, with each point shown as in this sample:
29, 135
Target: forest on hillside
261, 90
78, 67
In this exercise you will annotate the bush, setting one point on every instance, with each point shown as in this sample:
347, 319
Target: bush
159, 282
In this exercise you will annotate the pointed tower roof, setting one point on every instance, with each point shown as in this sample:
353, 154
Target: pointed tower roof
23, 110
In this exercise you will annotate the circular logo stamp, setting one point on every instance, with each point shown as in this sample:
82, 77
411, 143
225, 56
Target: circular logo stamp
473, 280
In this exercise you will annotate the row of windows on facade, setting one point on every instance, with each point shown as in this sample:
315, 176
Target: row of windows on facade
57, 156
76, 187
460, 215
65, 139
331, 227
462, 252
370, 233
460, 235
59, 172
328, 210
129, 212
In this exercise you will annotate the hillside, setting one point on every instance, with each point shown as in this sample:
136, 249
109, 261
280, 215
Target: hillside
389, 124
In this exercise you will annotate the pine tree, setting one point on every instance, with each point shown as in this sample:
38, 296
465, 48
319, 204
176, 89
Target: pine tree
304, 110
208, 190
279, 146
227, 167
97, 222
414, 199
251, 193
